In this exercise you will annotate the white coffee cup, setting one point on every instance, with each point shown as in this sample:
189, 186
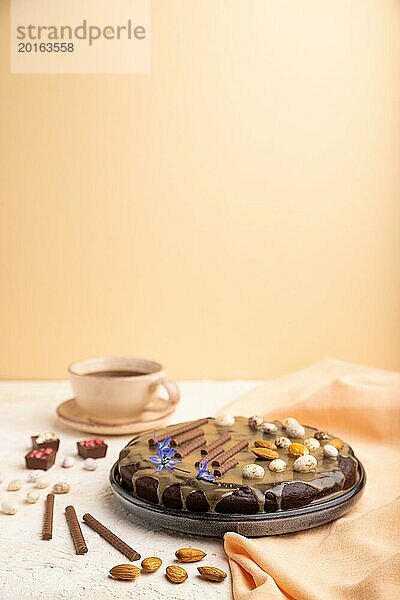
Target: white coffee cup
114, 390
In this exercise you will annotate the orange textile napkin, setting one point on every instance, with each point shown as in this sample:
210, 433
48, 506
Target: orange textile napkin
357, 556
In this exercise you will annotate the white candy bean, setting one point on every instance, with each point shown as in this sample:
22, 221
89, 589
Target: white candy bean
61, 488
34, 475
68, 462
42, 482
253, 471
278, 465
89, 464
330, 451
8, 508
305, 463
14, 485
32, 497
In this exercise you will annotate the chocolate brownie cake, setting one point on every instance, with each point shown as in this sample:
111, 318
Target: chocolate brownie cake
237, 466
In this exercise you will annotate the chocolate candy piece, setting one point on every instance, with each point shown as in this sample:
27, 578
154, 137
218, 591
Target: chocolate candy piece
47, 532
177, 430
229, 453
45, 440
92, 448
75, 530
111, 538
217, 442
241, 501
40, 458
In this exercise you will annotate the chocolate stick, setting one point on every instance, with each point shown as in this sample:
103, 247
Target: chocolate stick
75, 530
227, 465
216, 452
218, 442
178, 440
229, 453
47, 532
190, 447
182, 429
111, 538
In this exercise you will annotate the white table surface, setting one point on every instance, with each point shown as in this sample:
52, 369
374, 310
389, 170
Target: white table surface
32, 568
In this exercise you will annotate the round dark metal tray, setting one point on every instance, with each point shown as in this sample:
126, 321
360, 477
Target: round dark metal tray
216, 525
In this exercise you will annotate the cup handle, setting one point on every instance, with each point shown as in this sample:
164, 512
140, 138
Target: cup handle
173, 394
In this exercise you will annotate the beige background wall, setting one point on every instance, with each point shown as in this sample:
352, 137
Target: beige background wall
233, 214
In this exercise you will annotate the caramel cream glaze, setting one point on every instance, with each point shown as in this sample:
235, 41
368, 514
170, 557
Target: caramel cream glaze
327, 480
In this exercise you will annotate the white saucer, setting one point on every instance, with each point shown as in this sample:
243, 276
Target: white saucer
70, 413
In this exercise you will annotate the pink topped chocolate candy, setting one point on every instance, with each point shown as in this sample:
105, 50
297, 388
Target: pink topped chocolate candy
93, 448
40, 458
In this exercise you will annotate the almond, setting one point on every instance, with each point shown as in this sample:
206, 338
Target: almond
151, 564
212, 573
265, 444
297, 450
176, 574
187, 555
265, 453
125, 572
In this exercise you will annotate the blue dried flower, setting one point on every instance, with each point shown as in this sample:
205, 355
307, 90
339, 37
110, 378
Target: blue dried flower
165, 453
203, 473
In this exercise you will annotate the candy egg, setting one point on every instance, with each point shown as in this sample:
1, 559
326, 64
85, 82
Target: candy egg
32, 497
225, 420
68, 462
42, 482
89, 464
330, 451
305, 463
269, 428
8, 508
295, 430
298, 450
278, 465
289, 421
312, 444
282, 442
253, 471
14, 485
255, 422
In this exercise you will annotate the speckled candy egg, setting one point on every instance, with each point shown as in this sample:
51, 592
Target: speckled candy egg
255, 422
312, 444
330, 451
289, 421
253, 471
269, 428
305, 463
277, 466
282, 442
295, 430
68, 462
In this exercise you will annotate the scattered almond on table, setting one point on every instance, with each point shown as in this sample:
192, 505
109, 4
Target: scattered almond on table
176, 574
188, 555
125, 572
151, 564
212, 573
